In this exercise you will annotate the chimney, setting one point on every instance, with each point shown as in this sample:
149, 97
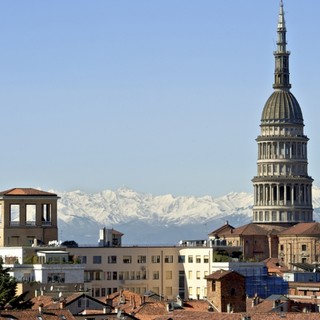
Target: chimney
62, 304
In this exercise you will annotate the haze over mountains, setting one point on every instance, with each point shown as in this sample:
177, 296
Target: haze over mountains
148, 219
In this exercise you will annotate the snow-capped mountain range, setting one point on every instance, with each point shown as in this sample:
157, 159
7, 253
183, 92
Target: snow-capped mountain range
148, 219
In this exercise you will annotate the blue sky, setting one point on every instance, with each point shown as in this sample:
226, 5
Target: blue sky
159, 96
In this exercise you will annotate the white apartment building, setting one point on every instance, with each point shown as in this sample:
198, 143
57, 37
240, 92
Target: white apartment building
39, 269
101, 270
166, 270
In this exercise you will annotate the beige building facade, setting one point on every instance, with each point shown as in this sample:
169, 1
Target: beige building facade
167, 271
300, 244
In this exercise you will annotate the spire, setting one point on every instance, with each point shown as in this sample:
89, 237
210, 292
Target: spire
281, 73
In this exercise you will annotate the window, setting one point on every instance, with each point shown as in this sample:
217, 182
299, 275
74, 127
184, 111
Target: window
103, 292
56, 277
114, 275
198, 275
206, 259
97, 292
96, 260
304, 247
155, 259
168, 291
198, 259
126, 259
14, 241
213, 286
281, 247
83, 259
168, 275
190, 274
181, 259
14, 214
30, 214
46, 213
112, 259
190, 259
121, 275
190, 291
168, 259
267, 215
155, 275
142, 259
108, 275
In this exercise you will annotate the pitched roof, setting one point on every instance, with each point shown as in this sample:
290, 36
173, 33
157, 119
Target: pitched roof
76, 296
25, 192
226, 228
32, 314
220, 274
303, 228
274, 265
47, 301
182, 315
252, 229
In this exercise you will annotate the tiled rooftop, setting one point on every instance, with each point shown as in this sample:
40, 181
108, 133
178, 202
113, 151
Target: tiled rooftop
220, 274
25, 192
309, 228
32, 315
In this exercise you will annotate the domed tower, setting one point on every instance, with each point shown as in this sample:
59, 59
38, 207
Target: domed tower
282, 187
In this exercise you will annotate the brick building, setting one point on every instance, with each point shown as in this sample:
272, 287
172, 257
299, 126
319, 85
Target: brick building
227, 291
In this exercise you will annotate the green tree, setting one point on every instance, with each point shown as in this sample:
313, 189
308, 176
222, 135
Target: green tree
8, 289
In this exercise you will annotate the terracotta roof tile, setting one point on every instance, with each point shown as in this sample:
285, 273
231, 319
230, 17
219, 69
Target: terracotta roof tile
181, 315
275, 266
32, 314
25, 192
220, 274
258, 229
309, 228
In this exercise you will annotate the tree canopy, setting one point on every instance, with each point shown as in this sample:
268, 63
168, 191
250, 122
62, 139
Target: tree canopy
8, 290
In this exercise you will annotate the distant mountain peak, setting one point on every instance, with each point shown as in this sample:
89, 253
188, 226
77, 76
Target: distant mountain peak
81, 214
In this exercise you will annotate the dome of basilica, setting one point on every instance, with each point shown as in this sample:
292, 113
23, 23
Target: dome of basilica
282, 107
